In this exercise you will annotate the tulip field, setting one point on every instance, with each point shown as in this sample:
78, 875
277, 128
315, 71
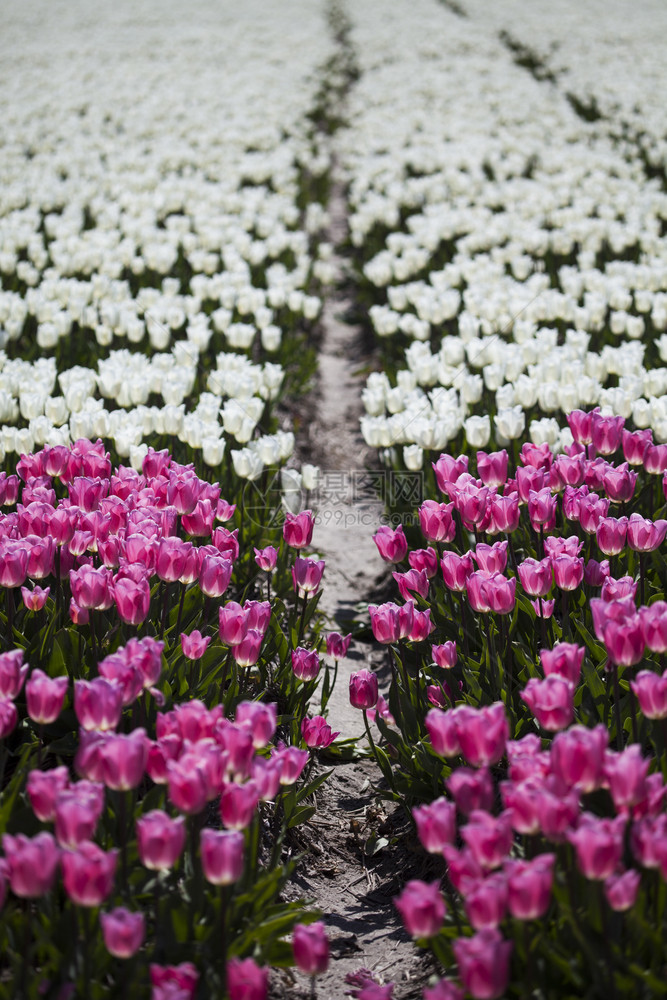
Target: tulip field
445, 223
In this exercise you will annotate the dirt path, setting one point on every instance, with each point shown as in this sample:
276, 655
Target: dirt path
353, 885
348, 508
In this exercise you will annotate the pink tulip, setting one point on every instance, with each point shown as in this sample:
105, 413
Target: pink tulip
619, 483
43, 789
522, 800
606, 433
260, 718
291, 762
611, 535
77, 812
635, 445
482, 733
266, 558
307, 576
626, 774
194, 645
599, 845
491, 558
476, 591
654, 626
445, 655
363, 689
233, 623
651, 691
422, 626
124, 760
436, 521
595, 573
98, 704
199, 523
92, 588
624, 640
88, 873
504, 514
133, 598
385, 622
227, 543
621, 890
568, 571
123, 932
238, 804
443, 990
174, 982
471, 789
483, 962
31, 863
443, 732
338, 645
171, 560
35, 599
9, 489
214, 575
566, 471
12, 673
424, 561
186, 779
160, 840
485, 901
13, 563
448, 469
298, 529
456, 570
536, 576
564, 659
577, 757
488, 837
529, 479
414, 582
492, 467
391, 544
550, 701
305, 663
436, 824
310, 946
317, 733
222, 855
471, 502
655, 459
537, 456
246, 980
529, 886
422, 908
9, 717
542, 509
592, 509
645, 535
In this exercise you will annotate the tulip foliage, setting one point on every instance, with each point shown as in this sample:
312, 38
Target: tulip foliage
525, 717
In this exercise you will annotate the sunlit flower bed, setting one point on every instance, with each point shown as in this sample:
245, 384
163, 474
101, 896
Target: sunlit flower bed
156, 742
157, 254
512, 254
525, 718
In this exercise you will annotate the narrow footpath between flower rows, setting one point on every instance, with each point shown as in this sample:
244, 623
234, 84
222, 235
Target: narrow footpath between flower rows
347, 871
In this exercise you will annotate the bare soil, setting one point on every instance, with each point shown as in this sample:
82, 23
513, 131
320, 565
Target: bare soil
358, 850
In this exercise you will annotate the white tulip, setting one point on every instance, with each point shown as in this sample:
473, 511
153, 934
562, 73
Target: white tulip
310, 475
478, 431
247, 464
510, 423
413, 457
